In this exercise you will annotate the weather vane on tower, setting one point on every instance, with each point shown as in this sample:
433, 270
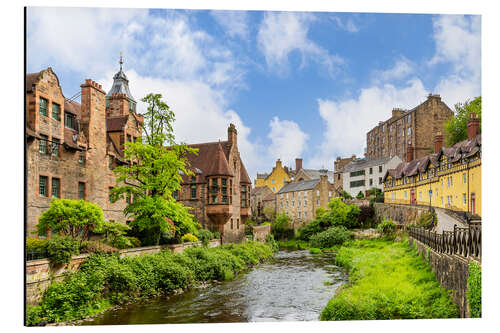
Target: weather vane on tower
121, 60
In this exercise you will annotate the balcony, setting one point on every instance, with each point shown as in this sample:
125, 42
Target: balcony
219, 213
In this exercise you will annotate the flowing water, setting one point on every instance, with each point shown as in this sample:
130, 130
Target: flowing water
295, 286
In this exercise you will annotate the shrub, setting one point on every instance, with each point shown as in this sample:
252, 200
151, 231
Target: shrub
205, 236
315, 250
272, 243
474, 290
60, 249
35, 244
97, 247
280, 228
360, 195
387, 228
266, 223
346, 195
313, 227
427, 219
189, 238
332, 236
366, 216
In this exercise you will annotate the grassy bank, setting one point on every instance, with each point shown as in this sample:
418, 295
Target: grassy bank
387, 280
105, 280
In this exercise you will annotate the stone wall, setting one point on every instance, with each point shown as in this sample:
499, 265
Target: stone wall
452, 272
402, 214
261, 232
39, 273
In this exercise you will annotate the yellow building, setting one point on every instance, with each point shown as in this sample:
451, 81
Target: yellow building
275, 180
449, 178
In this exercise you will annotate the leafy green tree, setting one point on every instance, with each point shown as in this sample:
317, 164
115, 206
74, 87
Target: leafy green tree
346, 195
281, 226
360, 195
269, 212
456, 128
154, 174
74, 218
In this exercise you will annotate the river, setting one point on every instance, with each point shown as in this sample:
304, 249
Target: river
294, 286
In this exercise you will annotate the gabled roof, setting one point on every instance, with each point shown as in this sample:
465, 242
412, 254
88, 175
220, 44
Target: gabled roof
73, 107
211, 157
270, 197
31, 79
315, 174
361, 164
116, 124
218, 165
244, 175
71, 139
299, 186
257, 190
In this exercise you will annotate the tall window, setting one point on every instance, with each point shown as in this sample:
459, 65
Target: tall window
224, 190
81, 190
214, 190
110, 163
380, 168
231, 223
371, 171
237, 223
55, 147
56, 111
56, 187
464, 199
464, 176
81, 157
43, 144
69, 120
193, 192
43, 106
243, 196
43, 186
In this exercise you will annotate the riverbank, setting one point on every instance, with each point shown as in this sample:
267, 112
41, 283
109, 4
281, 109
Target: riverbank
105, 280
387, 280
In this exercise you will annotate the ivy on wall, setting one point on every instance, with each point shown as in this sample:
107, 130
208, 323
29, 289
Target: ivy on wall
474, 290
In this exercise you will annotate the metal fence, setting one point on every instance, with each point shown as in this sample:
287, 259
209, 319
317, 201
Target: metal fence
34, 255
465, 242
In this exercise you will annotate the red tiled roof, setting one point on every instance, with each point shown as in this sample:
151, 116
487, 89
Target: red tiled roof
210, 158
218, 164
244, 175
73, 107
116, 124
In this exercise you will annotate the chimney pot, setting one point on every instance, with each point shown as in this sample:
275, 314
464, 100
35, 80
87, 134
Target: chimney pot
409, 153
298, 164
473, 126
438, 142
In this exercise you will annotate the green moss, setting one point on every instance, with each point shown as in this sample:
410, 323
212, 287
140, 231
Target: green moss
387, 281
474, 290
314, 250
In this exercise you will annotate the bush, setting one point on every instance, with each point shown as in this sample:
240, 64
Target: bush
189, 238
315, 250
35, 244
60, 249
97, 247
474, 290
307, 231
360, 195
366, 216
332, 236
346, 195
272, 243
205, 236
280, 228
427, 219
387, 228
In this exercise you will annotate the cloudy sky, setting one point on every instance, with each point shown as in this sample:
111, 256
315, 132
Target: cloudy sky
295, 84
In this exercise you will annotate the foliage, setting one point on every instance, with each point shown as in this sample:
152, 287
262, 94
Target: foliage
427, 219
387, 280
115, 234
269, 212
474, 290
332, 236
35, 244
189, 238
157, 168
75, 218
455, 129
266, 223
96, 246
272, 243
205, 236
360, 195
280, 228
60, 249
387, 228
293, 244
313, 227
345, 195
315, 250
104, 280
366, 216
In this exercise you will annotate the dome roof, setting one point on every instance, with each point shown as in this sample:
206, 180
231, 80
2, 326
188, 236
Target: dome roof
120, 84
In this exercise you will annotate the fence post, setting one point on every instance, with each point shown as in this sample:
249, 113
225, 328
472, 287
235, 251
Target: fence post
454, 239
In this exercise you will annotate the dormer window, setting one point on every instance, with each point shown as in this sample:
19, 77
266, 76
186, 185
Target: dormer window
70, 121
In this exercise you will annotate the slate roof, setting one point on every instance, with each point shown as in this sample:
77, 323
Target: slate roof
244, 175
116, 124
257, 189
120, 85
73, 107
361, 164
269, 197
31, 78
299, 186
315, 174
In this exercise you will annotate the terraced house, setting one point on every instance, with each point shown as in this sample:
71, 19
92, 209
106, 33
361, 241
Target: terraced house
449, 178
72, 148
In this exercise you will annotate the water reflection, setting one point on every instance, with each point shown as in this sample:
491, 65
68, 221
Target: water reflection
295, 286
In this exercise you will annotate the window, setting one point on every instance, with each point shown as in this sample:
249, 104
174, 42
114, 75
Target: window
287, 196
380, 168
81, 191
420, 195
274, 189
409, 130
111, 195
358, 183
70, 120
43, 186
293, 203
305, 214
110, 163
357, 173
371, 171
317, 202
56, 112
380, 180
214, 190
231, 224
442, 201
243, 196
43, 106
464, 199
464, 176
55, 147
43, 144
451, 181
405, 195
409, 118
371, 181
287, 204
193, 193
56, 187
272, 181
317, 193
237, 223
81, 157
329, 193
299, 215
305, 203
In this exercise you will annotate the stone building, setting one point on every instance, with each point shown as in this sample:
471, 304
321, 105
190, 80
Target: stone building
338, 165
415, 127
219, 192
71, 148
448, 178
362, 174
300, 174
300, 199
257, 196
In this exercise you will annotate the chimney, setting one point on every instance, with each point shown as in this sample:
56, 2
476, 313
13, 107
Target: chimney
278, 163
473, 126
438, 142
232, 134
396, 112
323, 175
410, 153
298, 164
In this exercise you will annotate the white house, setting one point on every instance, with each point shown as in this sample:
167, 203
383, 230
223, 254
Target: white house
363, 174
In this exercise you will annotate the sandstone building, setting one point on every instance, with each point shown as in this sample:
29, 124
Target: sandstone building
338, 165
219, 192
257, 196
300, 199
415, 127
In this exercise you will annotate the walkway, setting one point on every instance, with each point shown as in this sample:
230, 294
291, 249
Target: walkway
446, 222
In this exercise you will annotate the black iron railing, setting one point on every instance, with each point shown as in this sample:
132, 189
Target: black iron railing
34, 255
465, 242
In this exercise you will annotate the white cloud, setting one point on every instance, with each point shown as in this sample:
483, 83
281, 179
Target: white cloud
285, 32
349, 26
288, 141
401, 69
235, 23
347, 121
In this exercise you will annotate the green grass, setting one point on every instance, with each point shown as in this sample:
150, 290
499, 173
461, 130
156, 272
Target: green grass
387, 280
294, 244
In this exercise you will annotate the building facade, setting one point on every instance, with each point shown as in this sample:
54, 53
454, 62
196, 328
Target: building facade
219, 192
257, 201
362, 174
299, 200
449, 178
275, 180
72, 148
339, 164
415, 127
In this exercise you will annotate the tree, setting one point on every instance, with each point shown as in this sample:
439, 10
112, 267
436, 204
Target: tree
346, 195
281, 226
269, 212
456, 128
360, 195
75, 218
153, 174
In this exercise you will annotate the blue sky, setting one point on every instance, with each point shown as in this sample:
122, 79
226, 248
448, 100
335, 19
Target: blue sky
296, 84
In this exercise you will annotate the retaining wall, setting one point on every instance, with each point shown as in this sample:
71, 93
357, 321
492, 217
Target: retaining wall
260, 232
452, 272
403, 214
40, 273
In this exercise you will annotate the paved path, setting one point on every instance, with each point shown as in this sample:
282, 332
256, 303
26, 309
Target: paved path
446, 222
